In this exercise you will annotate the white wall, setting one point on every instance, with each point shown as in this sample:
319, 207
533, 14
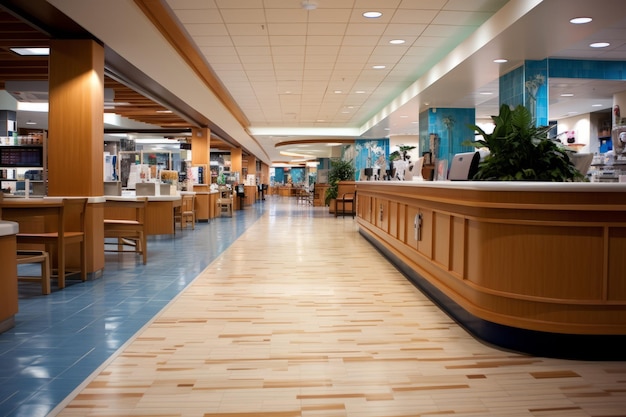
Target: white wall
581, 125
406, 140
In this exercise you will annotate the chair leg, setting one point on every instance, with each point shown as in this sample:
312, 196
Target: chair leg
61, 265
144, 252
83, 260
45, 275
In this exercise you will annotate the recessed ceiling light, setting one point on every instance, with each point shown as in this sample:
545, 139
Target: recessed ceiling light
359, 92
31, 123
596, 105
372, 15
500, 60
567, 95
338, 91
31, 51
486, 93
378, 67
599, 44
397, 41
580, 20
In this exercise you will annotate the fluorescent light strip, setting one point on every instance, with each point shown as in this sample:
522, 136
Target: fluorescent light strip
31, 51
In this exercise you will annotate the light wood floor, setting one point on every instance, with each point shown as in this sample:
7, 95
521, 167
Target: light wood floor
302, 317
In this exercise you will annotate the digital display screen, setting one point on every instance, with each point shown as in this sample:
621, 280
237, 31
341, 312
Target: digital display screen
11, 156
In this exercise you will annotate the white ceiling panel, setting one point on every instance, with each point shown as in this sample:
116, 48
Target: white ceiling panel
280, 47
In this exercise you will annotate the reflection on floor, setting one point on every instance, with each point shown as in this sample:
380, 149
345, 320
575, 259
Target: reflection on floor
300, 316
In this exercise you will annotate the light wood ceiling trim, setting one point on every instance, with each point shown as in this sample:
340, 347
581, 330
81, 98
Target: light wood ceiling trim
313, 142
163, 19
128, 102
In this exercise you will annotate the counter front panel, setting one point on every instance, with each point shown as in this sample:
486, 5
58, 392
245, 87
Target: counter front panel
527, 261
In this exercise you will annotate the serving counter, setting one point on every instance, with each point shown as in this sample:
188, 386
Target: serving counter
159, 213
533, 267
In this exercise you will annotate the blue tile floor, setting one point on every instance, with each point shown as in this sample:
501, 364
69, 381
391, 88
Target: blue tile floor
60, 339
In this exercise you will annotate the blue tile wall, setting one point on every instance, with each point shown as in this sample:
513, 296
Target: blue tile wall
453, 126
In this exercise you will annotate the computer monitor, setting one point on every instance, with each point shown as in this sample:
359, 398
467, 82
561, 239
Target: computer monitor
464, 166
582, 161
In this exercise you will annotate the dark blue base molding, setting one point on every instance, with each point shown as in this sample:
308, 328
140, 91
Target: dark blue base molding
532, 342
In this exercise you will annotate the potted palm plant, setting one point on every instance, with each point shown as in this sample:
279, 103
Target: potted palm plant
340, 170
520, 151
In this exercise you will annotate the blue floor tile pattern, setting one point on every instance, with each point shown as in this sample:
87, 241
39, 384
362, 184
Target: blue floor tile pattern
60, 339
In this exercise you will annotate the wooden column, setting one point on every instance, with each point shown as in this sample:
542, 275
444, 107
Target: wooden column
201, 155
200, 146
75, 119
252, 165
236, 156
76, 132
265, 173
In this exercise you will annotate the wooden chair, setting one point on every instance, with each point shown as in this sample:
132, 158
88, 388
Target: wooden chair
341, 202
225, 202
126, 223
33, 257
186, 213
70, 229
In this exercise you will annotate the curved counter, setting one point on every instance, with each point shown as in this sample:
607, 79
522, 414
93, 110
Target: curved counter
533, 267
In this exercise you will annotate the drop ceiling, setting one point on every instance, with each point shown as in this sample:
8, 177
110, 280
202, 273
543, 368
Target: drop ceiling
287, 74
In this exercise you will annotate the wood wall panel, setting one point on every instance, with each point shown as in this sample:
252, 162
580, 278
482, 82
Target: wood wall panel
543, 261
616, 283
441, 239
409, 232
457, 246
8, 281
426, 244
402, 222
393, 219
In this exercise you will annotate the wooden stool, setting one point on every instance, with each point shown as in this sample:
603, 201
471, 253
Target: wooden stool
32, 257
225, 207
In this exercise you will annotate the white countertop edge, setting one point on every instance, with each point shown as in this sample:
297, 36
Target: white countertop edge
135, 197
590, 187
90, 200
8, 228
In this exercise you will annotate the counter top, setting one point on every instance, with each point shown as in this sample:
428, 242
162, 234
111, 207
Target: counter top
150, 197
521, 186
90, 200
8, 228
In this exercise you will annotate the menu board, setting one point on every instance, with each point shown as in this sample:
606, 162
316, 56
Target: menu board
21, 156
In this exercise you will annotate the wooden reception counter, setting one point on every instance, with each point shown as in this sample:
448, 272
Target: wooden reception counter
532, 267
